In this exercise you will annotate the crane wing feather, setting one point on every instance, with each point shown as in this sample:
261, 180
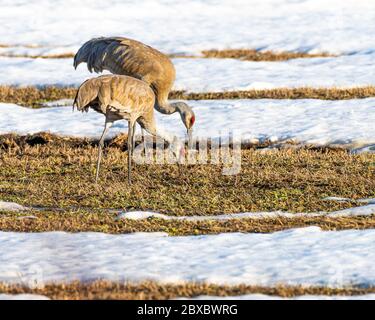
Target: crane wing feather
121, 56
129, 57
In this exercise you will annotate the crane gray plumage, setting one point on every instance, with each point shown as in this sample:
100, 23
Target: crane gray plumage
123, 97
132, 58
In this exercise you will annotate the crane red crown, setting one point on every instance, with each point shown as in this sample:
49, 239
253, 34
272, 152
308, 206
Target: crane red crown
192, 120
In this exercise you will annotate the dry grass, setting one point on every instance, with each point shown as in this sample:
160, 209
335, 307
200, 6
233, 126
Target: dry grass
282, 93
254, 55
55, 173
105, 221
39, 56
35, 97
155, 291
6, 45
241, 54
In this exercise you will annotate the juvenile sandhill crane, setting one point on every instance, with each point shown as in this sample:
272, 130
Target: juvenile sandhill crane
133, 58
122, 97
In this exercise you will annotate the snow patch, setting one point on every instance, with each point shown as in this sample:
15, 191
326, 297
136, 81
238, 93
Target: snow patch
306, 256
350, 212
344, 123
11, 206
291, 25
338, 199
368, 201
207, 75
217, 75
59, 103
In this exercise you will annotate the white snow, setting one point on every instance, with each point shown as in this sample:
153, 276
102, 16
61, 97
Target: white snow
339, 199
204, 75
36, 51
25, 71
347, 123
177, 27
369, 201
350, 212
367, 209
357, 211
22, 297
306, 256
11, 206
58, 103
267, 297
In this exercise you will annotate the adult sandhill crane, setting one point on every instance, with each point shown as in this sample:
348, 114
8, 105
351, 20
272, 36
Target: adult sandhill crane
122, 97
133, 58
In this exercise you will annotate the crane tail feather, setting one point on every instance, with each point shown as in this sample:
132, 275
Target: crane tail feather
93, 52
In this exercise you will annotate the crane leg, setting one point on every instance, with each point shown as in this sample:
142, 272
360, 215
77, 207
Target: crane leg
130, 151
107, 125
133, 138
143, 140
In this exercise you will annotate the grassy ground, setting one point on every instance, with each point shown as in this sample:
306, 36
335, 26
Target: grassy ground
254, 55
47, 56
35, 97
241, 54
56, 172
59, 173
79, 220
155, 291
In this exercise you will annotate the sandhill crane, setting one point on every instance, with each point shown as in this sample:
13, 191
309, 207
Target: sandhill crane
122, 97
133, 58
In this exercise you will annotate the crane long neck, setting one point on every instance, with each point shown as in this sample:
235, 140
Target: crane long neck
162, 103
166, 107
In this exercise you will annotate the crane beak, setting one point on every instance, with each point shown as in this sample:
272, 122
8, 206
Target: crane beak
190, 137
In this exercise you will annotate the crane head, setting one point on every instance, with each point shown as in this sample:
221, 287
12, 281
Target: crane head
187, 116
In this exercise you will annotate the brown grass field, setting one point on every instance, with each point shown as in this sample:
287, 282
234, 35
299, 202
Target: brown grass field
35, 97
254, 55
55, 177
57, 173
47, 171
47, 56
155, 291
92, 220
241, 54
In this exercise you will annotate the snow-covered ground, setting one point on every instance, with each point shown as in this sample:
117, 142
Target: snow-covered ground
306, 256
367, 209
350, 212
205, 75
11, 206
347, 123
179, 27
